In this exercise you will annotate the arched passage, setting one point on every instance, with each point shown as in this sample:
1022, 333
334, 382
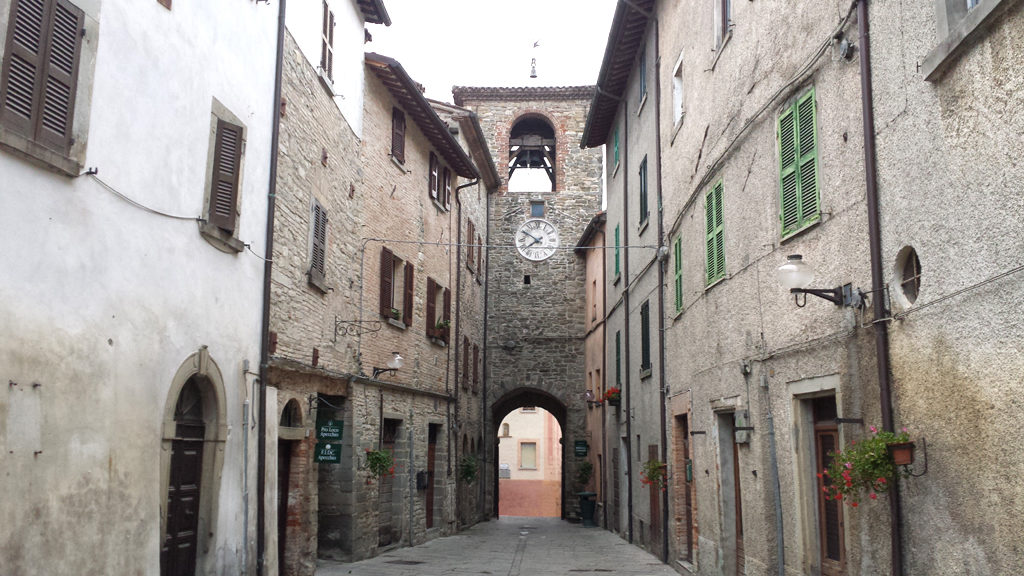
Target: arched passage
540, 402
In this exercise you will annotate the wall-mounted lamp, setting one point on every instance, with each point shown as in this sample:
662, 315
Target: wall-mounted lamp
393, 365
533, 68
795, 274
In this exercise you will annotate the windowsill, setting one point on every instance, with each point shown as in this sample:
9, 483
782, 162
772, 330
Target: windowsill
677, 314
675, 129
714, 283
618, 277
220, 239
968, 30
38, 154
643, 225
438, 342
525, 468
318, 282
687, 566
401, 165
643, 100
397, 324
801, 231
437, 204
645, 373
615, 170
721, 48
326, 82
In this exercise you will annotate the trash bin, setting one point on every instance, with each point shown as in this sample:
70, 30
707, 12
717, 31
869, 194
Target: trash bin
588, 501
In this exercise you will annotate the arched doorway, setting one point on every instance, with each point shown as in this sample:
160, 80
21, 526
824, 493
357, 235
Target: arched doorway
290, 433
547, 414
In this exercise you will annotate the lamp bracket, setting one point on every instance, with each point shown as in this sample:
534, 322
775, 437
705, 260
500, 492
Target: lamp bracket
354, 327
378, 371
844, 295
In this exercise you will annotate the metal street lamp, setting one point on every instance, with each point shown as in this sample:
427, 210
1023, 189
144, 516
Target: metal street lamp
796, 274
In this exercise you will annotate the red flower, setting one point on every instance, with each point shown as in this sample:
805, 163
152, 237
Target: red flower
874, 496
882, 480
819, 476
839, 495
854, 504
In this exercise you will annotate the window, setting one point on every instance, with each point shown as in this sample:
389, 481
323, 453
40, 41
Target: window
645, 338
617, 250
479, 259
396, 286
644, 212
537, 209
529, 408
677, 257
434, 177
723, 21
438, 297
677, 91
39, 82
318, 247
476, 368
504, 429
327, 44
960, 23
798, 166
465, 363
910, 274
398, 135
615, 147
446, 187
618, 359
470, 233
593, 300
715, 257
528, 455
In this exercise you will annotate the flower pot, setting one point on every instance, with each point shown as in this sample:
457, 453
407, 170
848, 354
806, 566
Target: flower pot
902, 453
613, 402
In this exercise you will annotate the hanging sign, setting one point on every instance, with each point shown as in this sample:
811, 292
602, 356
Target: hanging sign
327, 453
330, 430
581, 448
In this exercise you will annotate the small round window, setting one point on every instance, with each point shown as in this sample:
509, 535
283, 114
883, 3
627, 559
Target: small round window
910, 274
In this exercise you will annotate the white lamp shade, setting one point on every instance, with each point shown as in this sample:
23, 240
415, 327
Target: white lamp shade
795, 273
396, 362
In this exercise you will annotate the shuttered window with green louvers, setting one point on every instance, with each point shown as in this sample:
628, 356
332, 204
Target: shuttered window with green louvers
715, 261
618, 359
677, 255
798, 166
616, 250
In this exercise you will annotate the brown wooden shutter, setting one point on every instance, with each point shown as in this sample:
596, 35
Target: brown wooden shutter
227, 158
319, 252
476, 368
447, 182
479, 258
447, 315
469, 244
61, 78
465, 362
398, 135
431, 306
407, 308
387, 271
23, 63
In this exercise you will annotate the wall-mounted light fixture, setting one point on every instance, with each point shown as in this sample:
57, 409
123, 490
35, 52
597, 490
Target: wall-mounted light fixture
533, 68
796, 274
393, 365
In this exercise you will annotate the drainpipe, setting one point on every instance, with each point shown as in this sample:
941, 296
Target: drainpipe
483, 361
625, 311
661, 292
261, 449
877, 277
458, 323
604, 372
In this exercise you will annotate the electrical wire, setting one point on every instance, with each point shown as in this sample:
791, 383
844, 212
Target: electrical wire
93, 173
905, 313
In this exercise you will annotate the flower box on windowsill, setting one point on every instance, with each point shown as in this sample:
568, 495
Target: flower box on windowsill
613, 402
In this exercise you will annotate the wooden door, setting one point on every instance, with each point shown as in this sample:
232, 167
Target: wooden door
615, 490
740, 556
830, 512
284, 460
178, 554
431, 453
385, 501
685, 499
655, 532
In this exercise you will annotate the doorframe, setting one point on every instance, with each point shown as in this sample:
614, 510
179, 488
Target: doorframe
211, 387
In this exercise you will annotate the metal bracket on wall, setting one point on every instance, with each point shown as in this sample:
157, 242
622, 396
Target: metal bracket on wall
924, 452
695, 432
354, 327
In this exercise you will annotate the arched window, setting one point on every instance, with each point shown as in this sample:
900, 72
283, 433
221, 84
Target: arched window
531, 153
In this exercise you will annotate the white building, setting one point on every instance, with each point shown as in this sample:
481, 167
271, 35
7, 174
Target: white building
132, 297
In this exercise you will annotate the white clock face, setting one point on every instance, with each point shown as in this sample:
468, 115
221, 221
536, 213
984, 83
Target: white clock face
537, 239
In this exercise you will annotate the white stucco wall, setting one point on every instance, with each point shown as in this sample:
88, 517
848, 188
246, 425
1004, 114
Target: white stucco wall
102, 301
305, 21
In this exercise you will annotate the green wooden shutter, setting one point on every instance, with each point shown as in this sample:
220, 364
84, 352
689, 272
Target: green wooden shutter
678, 255
643, 191
618, 359
616, 250
798, 165
715, 256
616, 147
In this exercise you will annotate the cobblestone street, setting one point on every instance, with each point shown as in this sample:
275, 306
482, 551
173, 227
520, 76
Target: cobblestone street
512, 546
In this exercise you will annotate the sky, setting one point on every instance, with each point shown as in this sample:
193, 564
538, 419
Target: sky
444, 43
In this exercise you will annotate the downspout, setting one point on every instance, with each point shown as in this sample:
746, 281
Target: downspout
625, 311
604, 371
261, 449
661, 292
483, 361
455, 341
877, 278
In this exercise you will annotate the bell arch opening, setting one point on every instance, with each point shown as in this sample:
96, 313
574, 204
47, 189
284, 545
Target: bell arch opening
532, 155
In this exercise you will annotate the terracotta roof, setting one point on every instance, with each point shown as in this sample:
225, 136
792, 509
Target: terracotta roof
624, 41
407, 94
374, 11
595, 225
520, 93
469, 122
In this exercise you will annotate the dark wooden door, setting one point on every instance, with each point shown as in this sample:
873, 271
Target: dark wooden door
178, 554
615, 490
683, 439
740, 556
385, 502
431, 453
652, 454
830, 512
284, 461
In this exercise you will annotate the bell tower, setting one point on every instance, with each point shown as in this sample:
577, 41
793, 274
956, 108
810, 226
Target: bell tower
536, 283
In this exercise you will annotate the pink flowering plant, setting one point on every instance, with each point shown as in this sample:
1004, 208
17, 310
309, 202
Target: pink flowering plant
380, 463
863, 467
654, 473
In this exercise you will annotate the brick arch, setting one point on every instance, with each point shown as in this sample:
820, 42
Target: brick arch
561, 144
